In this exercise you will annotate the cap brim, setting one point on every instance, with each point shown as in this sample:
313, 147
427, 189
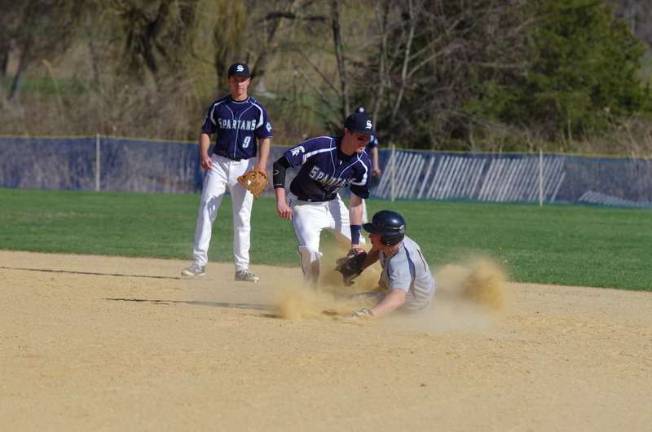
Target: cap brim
370, 228
363, 131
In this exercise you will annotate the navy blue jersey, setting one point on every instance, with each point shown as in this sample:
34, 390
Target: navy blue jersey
237, 125
373, 143
325, 169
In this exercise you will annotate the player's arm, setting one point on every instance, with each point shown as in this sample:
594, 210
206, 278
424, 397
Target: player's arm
375, 161
399, 280
293, 157
264, 145
355, 220
263, 134
359, 191
204, 157
371, 258
394, 299
278, 180
208, 128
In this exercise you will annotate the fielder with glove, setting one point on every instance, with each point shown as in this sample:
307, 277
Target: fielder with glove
237, 163
326, 165
406, 275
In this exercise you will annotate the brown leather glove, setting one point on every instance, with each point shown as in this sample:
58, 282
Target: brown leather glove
254, 181
351, 266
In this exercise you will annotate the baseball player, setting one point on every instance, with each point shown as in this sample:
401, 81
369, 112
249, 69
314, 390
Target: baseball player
372, 151
243, 131
406, 279
326, 164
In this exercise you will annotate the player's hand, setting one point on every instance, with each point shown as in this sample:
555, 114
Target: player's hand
360, 315
206, 162
260, 168
356, 249
284, 211
376, 172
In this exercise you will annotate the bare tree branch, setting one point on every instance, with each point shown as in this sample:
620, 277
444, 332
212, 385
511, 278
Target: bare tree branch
341, 65
404, 70
319, 71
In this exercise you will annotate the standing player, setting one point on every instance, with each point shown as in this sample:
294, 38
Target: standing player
372, 151
243, 131
406, 278
327, 164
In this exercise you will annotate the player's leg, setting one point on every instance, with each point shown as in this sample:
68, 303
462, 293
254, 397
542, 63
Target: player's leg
242, 203
213, 190
339, 221
308, 220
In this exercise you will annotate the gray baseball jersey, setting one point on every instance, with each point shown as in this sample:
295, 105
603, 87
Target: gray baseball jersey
409, 271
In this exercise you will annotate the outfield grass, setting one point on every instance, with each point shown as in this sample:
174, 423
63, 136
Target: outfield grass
566, 245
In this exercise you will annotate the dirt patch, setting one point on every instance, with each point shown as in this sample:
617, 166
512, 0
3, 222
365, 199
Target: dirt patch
109, 343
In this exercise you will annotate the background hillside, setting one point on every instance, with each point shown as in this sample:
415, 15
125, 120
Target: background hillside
494, 75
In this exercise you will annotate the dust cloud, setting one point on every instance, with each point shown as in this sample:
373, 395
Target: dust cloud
470, 295
297, 299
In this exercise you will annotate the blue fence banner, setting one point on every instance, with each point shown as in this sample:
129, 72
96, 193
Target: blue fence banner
132, 165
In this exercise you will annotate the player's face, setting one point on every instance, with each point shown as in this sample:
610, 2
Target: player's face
239, 86
376, 242
358, 140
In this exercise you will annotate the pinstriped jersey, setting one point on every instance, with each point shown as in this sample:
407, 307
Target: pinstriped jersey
325, 169
237, 126
408, 271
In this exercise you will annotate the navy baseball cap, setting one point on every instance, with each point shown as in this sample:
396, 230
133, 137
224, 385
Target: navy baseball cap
239, 69
360, 122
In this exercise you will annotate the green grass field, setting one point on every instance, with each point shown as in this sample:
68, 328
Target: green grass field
565, 245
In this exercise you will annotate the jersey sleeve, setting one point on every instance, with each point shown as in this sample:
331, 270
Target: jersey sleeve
361, 191
373, 142
360, 184
210, 126
297, 155
263, 124
399, 272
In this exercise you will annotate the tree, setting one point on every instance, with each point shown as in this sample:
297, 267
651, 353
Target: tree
156, 33
8, 28
581, 77
429, 57
43, 30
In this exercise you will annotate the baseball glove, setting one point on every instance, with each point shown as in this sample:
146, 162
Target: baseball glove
254, 181
351, 266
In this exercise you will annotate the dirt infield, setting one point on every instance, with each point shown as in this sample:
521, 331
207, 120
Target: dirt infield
106, 343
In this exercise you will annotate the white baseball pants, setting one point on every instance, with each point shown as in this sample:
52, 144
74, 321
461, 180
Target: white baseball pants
308, 220
224, 175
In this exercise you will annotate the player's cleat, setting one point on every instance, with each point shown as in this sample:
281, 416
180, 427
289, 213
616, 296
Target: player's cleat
194, 271
246, 276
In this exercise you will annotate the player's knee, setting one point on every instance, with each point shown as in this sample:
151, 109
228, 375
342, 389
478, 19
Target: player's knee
210, 202
309, 255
